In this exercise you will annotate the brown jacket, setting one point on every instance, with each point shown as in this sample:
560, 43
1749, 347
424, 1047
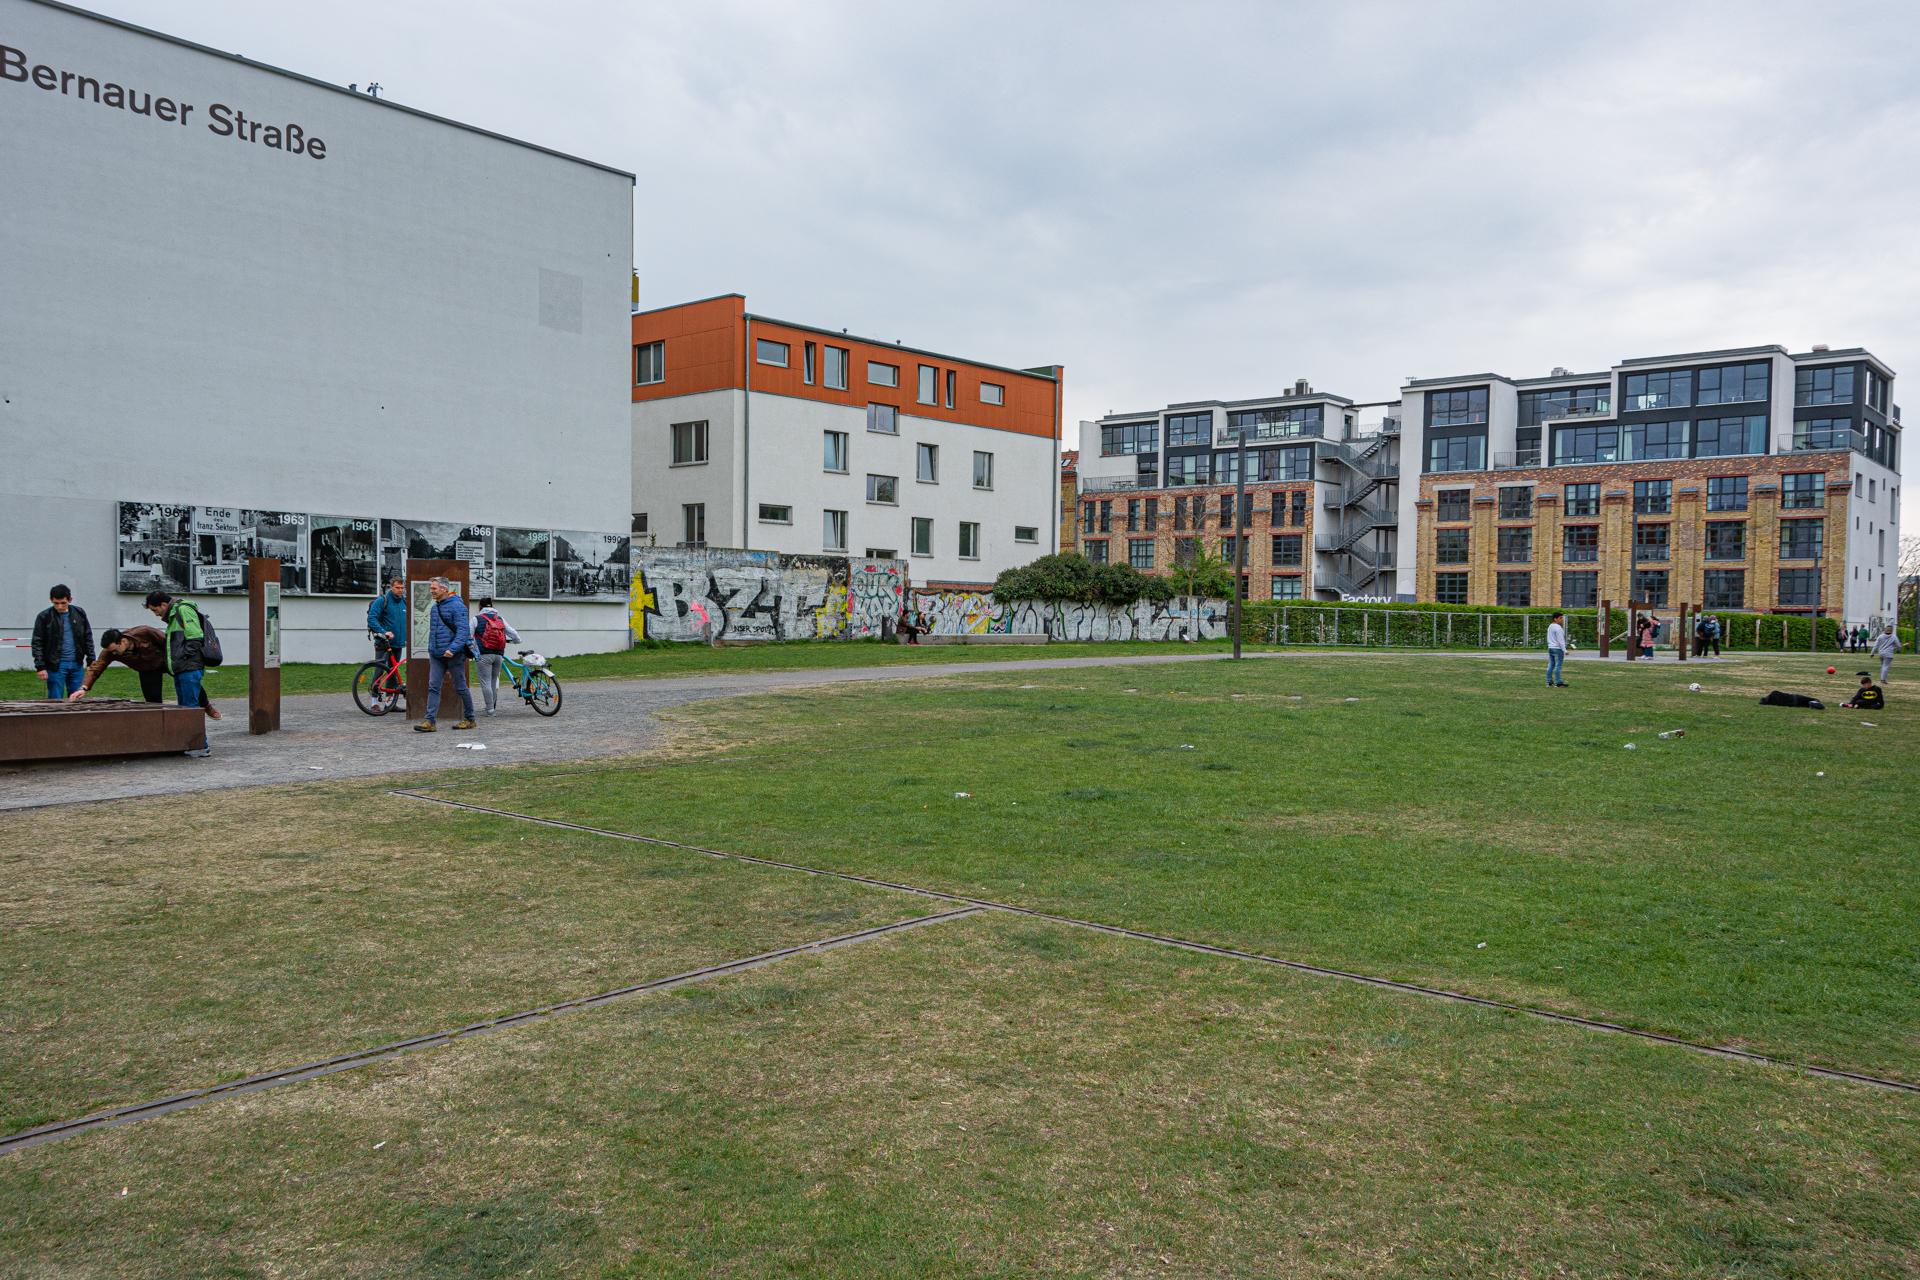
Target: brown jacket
147, 651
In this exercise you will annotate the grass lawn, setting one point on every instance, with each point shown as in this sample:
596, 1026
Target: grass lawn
1382, 813
994, 1095
654, 661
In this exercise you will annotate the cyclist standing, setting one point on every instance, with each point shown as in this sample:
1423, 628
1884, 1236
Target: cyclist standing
387, 621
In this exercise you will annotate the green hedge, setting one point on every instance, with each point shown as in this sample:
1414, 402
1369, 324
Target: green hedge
1430, 626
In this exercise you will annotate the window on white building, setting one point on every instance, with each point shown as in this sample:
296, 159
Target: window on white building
834, 451
982, 470
833, 530
969, 540
695, 514
689, 443
775, 513
922, 536
927, 464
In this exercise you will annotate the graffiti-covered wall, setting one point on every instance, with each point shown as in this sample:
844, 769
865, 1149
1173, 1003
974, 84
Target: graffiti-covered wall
760, 595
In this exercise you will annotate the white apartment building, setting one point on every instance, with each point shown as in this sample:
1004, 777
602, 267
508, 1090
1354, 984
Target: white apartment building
768, 435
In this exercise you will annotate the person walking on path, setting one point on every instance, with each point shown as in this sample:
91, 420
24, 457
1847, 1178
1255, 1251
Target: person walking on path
62, 643
387, 619
1884, 647
142, 650
1711, 626
449, 642
491, 635
186, 636
1557, 647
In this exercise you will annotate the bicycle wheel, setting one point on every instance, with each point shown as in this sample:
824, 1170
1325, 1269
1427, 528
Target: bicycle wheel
367, 692
543, 692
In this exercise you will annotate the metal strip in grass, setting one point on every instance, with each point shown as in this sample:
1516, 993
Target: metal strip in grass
348, 1061
1204, 948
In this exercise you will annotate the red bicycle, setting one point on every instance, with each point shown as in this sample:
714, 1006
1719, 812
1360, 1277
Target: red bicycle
381, 686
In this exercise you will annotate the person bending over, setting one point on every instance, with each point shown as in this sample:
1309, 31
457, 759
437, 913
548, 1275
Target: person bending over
142, 650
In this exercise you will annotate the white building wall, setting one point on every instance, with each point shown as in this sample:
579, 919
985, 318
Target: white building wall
429, 323
785, 460
1413, 459
1873, 542
662, 490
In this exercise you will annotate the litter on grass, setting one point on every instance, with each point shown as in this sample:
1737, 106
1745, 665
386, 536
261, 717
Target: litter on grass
1820, 774
1186, 746
1630, 747
472, 746
963, 795
1694, 687
1869, 724
1674, 733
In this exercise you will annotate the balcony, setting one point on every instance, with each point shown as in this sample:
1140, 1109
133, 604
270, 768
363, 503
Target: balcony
1578, 414
1515, 459
1821, 441
1109, 484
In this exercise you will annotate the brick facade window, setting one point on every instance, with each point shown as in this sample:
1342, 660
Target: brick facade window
1450, 547
1726, 540
1580, 544
1799, 588
1581, 500
1180, 513
1097, 550
1650, 585
1579, 590
1514, 590
1453, 504
1802, 539
1288, 548
1727, 493
1516, 502
1140, 552
1515, 546
1450, 588
1652, 497
1286, 586
1803, 491
1726, 589
1650, 541
1153, 514
1299, 509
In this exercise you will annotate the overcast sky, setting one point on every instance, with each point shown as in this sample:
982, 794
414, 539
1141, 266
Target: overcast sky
1181, 201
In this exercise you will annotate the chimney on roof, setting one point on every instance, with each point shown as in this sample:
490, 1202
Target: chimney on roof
1821, 346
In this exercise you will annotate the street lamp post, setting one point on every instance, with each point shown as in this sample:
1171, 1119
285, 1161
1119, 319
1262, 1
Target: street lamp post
1239, 542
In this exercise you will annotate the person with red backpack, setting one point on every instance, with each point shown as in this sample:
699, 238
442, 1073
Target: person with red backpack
491, 635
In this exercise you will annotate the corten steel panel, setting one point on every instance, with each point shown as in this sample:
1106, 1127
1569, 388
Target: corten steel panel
263, 682
419, 668
38, 731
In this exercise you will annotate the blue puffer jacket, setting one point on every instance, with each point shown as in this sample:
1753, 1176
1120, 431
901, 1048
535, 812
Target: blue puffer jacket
450, 628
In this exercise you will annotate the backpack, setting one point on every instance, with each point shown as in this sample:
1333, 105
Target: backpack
493, 633
210, 653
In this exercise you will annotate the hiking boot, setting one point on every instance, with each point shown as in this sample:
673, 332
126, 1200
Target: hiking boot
212, 713
464, 724
425, 726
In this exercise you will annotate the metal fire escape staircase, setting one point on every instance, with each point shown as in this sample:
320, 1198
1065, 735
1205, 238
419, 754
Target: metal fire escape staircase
1356, 509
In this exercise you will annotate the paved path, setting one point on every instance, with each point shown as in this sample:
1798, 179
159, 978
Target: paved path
326, 736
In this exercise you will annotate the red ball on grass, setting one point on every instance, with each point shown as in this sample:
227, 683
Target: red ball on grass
1829, 670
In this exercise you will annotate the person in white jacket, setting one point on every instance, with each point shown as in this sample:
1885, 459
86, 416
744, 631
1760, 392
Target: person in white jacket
1885, 645
1557, 646
491, 636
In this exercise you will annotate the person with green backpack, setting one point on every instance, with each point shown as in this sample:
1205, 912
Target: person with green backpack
192, 646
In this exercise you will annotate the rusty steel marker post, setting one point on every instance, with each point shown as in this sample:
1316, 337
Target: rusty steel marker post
419, 619
263, 644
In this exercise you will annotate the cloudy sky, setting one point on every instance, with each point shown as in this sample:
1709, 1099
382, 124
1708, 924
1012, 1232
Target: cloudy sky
1209, 199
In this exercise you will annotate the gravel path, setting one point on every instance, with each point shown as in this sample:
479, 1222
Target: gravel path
326, 736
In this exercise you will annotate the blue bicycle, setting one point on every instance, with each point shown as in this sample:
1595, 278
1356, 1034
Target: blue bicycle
534, 681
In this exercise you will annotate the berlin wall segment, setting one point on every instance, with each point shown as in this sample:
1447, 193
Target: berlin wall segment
701, 595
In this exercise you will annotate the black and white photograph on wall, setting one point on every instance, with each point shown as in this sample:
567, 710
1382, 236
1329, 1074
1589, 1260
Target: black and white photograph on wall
219, 555
343, 556
523, 562
591, 566
283, 536
403, 540
155, 547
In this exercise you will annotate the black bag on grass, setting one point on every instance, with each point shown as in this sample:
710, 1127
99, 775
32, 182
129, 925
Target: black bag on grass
1779, 699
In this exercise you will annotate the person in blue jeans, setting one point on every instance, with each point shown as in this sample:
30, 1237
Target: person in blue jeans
449, 644
1556, 650
186, 660
62, 643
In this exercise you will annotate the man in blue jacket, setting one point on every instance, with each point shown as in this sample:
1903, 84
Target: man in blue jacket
387, 620
449, 643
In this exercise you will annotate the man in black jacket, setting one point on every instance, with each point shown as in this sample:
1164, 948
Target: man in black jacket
62, 643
